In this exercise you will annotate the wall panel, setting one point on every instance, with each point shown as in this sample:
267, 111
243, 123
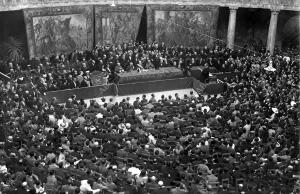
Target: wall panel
115, 25
54, 30
182, 25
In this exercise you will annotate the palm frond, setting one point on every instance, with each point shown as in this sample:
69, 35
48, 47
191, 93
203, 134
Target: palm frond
13, 49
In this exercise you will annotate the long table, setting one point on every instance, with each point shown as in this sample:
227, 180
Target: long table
164, 79
150, 75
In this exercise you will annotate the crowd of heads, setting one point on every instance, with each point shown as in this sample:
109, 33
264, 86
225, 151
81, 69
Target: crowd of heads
67, 71
245, 139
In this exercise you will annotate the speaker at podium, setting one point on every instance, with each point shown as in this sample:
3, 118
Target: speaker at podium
201, 73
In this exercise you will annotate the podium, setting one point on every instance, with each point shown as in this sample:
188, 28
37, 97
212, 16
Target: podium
196, 72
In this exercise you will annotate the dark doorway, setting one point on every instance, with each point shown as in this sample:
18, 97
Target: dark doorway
222, 24
13, 35
251, 26
288, 33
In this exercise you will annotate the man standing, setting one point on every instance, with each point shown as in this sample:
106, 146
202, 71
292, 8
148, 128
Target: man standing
205, 74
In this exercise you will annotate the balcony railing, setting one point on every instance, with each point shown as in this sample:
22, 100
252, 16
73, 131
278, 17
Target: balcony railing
268, 4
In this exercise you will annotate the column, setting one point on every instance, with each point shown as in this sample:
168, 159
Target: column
272, 31
231, 27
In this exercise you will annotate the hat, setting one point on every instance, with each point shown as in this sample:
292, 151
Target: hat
121, 126
10, 138
153, 178
134, 171
96, 143
128, 125
92, 128
13, 154
275, 110
99, 116
63, 125
160, 183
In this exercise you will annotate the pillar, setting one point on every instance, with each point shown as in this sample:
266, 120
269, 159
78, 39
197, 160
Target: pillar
272, 31
231, 27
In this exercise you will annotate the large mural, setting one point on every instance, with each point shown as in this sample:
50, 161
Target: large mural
188, 28
60, 33
119, 27
115, 25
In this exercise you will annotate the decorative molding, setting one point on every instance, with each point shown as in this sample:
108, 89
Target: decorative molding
233, 8
275, 11
6, 5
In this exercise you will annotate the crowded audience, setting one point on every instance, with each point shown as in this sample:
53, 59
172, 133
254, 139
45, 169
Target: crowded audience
74, 70
243, 140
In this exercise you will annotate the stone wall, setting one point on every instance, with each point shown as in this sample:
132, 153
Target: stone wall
58, 30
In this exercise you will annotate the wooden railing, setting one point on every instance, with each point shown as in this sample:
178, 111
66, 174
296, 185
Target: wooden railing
6, 5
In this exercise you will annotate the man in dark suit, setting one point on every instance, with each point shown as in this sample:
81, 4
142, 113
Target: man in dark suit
73, 83
205, 74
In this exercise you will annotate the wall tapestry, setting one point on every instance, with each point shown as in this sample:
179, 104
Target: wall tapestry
186, 28
119, 27
60, 33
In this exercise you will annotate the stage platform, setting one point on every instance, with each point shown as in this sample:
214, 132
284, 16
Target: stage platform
137, 88
150, 75
151, 81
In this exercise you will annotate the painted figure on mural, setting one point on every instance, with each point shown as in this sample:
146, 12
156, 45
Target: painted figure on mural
58, 34
67, 43
186, 28
45, 35
120, 27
